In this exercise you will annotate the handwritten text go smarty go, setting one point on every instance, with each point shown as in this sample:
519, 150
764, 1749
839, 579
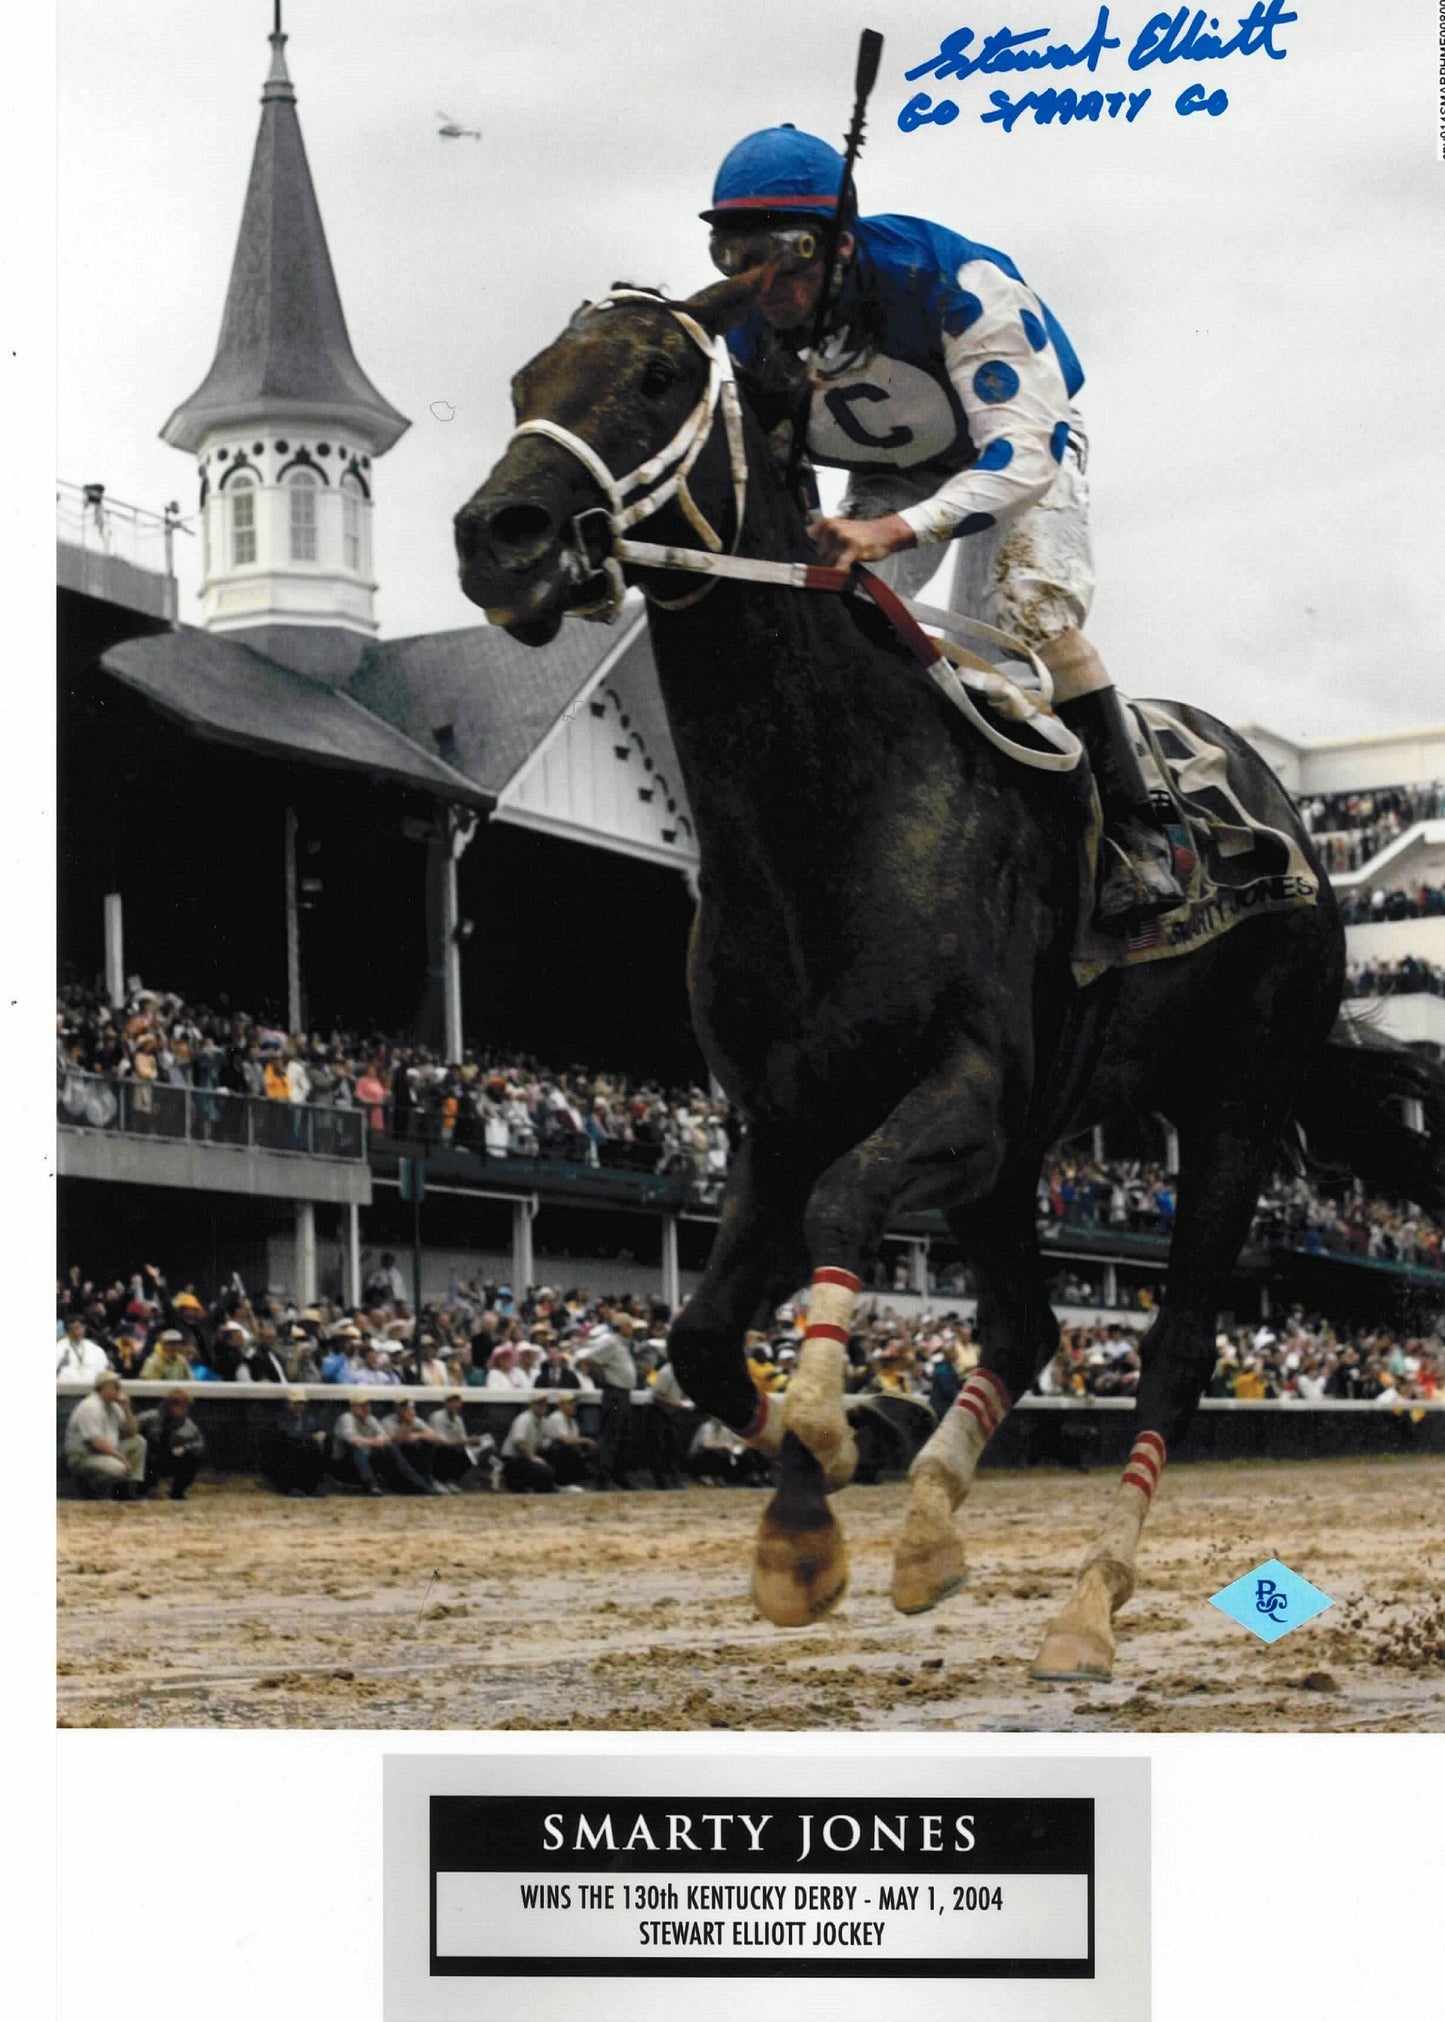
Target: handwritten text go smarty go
1185, 36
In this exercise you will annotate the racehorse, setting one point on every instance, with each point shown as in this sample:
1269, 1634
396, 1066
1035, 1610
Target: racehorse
880, 965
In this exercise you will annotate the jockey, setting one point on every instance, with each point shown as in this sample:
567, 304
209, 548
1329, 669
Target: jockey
945, 388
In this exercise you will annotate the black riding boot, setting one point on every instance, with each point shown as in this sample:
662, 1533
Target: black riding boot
1136, 875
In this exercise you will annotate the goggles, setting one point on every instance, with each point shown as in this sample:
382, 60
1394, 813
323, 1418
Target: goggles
791, 247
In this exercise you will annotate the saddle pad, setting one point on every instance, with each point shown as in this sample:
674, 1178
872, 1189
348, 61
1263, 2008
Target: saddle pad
1232, 864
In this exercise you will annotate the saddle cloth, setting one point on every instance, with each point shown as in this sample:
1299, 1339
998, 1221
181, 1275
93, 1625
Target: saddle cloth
1232, 864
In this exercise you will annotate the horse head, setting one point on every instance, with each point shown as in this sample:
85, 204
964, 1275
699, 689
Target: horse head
613, 419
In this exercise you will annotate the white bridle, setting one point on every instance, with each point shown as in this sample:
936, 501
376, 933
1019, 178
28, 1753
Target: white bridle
664, 476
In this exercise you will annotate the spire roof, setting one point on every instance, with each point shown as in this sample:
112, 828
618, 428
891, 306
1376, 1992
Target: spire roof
284, 346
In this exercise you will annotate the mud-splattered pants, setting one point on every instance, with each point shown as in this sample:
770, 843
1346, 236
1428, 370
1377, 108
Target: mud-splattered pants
1032, 575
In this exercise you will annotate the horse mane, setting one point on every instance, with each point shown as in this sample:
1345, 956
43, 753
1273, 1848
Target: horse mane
583, 315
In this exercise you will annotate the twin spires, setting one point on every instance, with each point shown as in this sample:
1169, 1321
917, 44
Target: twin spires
285, 425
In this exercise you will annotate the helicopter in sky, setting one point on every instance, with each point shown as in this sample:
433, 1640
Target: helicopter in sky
449, 129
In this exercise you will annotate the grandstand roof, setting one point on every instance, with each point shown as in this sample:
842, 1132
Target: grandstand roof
499, 698
455, 714
230, 694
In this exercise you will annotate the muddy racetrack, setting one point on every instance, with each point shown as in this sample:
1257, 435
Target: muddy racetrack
239, 1608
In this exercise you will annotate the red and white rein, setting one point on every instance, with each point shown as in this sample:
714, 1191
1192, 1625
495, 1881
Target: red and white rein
664, 476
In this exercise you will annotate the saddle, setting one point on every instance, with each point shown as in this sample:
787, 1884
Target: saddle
1231, 863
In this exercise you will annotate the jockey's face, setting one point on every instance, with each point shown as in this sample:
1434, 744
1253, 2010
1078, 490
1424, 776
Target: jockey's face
793, 269
788, 299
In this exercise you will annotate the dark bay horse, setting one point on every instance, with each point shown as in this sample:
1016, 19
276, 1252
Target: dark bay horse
880, 964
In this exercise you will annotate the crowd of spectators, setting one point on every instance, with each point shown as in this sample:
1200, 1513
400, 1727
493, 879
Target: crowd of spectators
1409, 977
480, 1337
1412, 902
521, 1110
1291, 1212
496, 1105
1301, 1357
480, 1343
537, 1350
1138, 1197
1351, 828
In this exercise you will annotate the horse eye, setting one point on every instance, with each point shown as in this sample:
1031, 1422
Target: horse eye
657, 378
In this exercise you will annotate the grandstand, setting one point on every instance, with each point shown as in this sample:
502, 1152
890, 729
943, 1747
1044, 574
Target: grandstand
1376, 809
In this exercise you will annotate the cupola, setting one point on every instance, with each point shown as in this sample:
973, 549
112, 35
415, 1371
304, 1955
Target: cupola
286, 428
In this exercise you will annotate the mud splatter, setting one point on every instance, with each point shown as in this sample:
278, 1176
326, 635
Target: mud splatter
632, 1612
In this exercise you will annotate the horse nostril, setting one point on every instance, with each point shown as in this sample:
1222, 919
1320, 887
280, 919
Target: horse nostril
520, 534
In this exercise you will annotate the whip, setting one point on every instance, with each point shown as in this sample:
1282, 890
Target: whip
870, 52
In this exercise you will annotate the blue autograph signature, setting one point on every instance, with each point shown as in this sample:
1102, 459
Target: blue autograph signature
1184, 36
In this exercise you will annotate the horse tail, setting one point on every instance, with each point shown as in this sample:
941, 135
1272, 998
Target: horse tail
1377, 1110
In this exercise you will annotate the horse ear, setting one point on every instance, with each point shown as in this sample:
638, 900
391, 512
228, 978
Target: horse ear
723, 306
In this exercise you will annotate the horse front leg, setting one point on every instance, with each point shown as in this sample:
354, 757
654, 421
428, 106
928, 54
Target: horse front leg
1017, 1335
1224, 1162
942, 1138
758, 1258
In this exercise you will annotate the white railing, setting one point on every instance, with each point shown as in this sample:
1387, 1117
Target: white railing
383, 1393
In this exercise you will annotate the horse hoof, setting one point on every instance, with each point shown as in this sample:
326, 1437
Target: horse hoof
800, 1562
928, 1561
928, 1565
1075, 1656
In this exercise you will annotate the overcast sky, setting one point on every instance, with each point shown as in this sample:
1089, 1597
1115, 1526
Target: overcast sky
1257, 297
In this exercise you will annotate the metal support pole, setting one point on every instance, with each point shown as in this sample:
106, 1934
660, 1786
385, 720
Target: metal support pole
306, 1253
522, 1266
295, 1012
353, 1254
451, 965
1098, 1144
1171, 1148
114, 951
454, 831
1111, 1285
671, 1277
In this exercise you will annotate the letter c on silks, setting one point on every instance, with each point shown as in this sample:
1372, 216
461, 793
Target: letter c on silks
1193, 100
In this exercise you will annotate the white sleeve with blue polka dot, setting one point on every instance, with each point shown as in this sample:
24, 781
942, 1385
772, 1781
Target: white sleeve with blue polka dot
1006, 373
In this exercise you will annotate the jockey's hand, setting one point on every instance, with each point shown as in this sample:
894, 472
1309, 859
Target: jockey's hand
846, 542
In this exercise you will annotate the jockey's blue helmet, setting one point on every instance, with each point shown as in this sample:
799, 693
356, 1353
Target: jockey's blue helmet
778, 173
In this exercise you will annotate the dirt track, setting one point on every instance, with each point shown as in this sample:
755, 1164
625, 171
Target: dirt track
241, 1609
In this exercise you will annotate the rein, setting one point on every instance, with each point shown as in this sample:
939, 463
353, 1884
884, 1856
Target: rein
664, 476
